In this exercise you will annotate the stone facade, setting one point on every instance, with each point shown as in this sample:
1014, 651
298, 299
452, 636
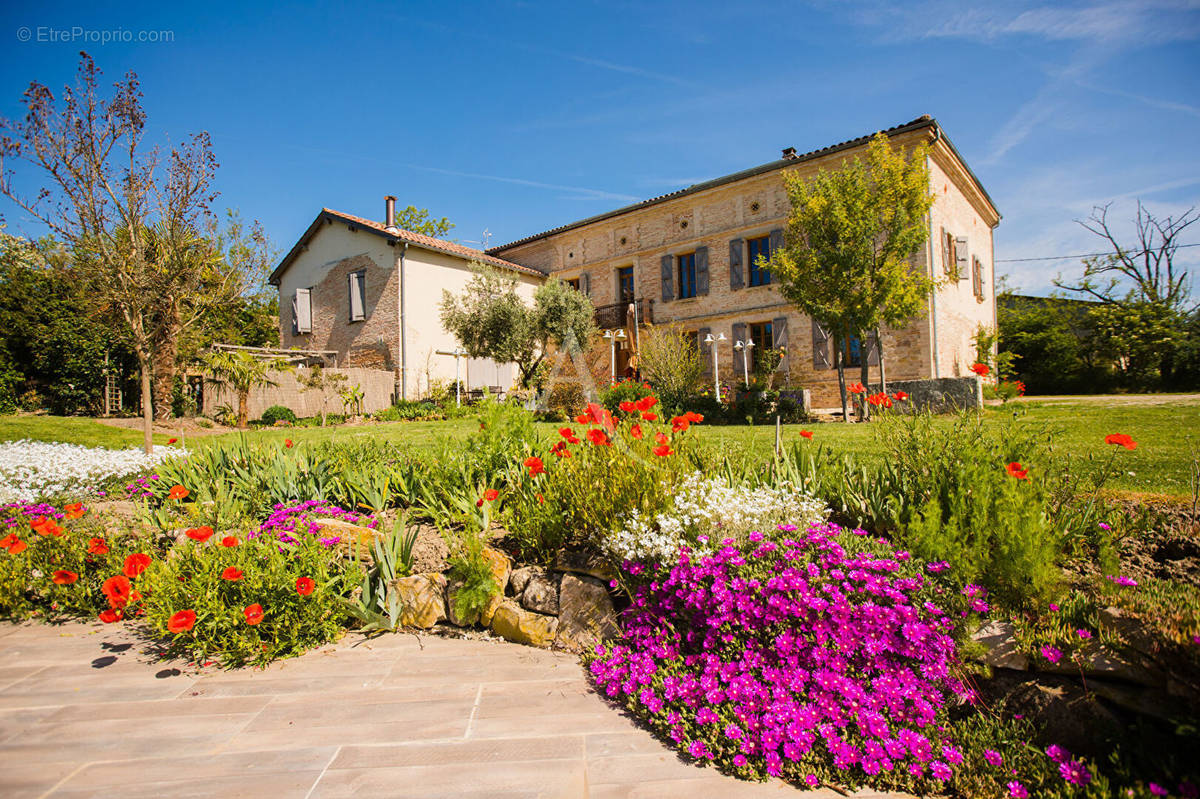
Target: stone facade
719, 220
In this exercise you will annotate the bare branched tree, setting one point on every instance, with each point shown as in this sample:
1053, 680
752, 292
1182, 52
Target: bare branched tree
128, 214
1144, 273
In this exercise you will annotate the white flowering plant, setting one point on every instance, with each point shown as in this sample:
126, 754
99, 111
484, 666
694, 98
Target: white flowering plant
706, 510
32, 470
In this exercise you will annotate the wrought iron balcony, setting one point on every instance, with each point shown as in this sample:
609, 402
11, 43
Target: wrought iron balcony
618, 314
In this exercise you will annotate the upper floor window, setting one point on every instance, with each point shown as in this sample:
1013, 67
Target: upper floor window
977, 278
687, 275
759, 276
573, 283
358, 295
625, 289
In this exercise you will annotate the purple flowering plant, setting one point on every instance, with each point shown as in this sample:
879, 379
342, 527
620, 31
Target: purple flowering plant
287, 523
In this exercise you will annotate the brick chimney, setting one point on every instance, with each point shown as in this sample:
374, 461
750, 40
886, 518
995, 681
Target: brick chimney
789, 153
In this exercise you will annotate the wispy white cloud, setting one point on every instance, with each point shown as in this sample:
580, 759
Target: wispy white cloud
1153, 102
577, 191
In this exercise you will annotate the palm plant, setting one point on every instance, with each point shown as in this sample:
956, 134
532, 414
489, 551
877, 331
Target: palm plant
243, 372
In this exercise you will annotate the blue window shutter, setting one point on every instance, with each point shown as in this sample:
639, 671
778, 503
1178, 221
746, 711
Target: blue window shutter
736, 278
668, 278
776, 240
701, 270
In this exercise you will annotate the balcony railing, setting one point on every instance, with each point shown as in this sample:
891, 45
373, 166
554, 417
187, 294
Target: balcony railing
619, 315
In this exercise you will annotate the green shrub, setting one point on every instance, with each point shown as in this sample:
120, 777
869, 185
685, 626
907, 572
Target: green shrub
410, 410
566, 398
294, 615
612, 396
278, 413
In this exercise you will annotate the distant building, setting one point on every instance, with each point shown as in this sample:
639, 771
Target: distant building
687, 257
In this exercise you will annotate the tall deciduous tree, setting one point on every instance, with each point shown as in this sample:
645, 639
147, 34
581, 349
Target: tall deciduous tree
102, 191
419, 220
491, 320
850, 239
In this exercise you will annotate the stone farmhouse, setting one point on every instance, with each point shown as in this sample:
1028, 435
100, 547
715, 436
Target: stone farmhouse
687, 258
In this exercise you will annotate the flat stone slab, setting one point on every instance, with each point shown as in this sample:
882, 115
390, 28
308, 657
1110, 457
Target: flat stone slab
85, 712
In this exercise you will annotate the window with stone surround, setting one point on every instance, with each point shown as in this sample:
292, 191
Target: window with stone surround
759, 276
762, 334
686, 272
358, 295
625, 290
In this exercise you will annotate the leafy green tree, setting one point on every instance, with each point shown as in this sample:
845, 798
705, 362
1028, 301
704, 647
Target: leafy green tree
490, 320
419, 220
243, 372
1051, 343
850, 240
670, 360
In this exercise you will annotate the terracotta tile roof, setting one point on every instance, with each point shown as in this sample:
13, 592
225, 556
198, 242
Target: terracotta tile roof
916, 124
396, 234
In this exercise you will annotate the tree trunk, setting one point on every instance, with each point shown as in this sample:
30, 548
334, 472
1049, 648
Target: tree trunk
165, 354
841, 372
147, 403
243, 416
882, 369
864, 376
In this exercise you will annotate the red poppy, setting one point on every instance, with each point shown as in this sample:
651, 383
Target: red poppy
254, 614
135, 564
200, 534
229, 541
598, 437
880, 400
491, 494
64, 577
679, 424
650, 416
856, 388
8, 540
1121, 440
900, 396
232, 574
600, 415
806, 434
109, 616
171, 441
582, 418
566, 432
45, 526
663, 451
287, 442
73, 511
661, 438
305, 586
177, 492
535, 466
1014, 469
181, 621
17, 547
693, 417
980, 369
628, 407
97, 547
636, 431
541, 500
560, 449
118, 590
646, 403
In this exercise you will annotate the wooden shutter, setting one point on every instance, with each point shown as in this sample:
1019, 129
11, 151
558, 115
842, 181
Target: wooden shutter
871, 345
977, 277
739, 334
585, 283
302, 311
960, 258
705, 350
357, 283
822, 347
779, 340
668, 279
701, 270
776, 240
736, 277
947, 256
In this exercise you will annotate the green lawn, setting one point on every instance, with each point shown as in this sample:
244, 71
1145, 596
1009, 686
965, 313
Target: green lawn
1168, 435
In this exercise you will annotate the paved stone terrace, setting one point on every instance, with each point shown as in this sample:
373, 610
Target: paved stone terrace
84, 712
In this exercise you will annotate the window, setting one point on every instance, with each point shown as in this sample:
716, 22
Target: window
687, 275
573, 283
625, 284
761, 246
853, 351
949, 257
358, 295
302, 311
763, 337
977, 278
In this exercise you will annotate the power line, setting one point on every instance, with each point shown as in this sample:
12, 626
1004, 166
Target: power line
1084, 255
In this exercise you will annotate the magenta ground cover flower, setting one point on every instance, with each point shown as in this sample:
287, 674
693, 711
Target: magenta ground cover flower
781, 658
1052, 653
288, 521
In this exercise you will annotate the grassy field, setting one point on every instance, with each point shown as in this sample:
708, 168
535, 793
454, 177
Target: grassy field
1168, 435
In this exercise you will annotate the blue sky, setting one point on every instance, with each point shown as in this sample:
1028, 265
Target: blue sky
521, 116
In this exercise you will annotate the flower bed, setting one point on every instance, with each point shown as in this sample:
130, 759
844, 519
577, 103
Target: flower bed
31, 470
289, 521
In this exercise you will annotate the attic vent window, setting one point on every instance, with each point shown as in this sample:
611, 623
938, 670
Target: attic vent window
754, 206
683, 224
623, 241
570, 255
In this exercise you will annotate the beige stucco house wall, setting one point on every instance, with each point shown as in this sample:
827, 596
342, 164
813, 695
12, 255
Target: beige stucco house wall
404, 275
719, 217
